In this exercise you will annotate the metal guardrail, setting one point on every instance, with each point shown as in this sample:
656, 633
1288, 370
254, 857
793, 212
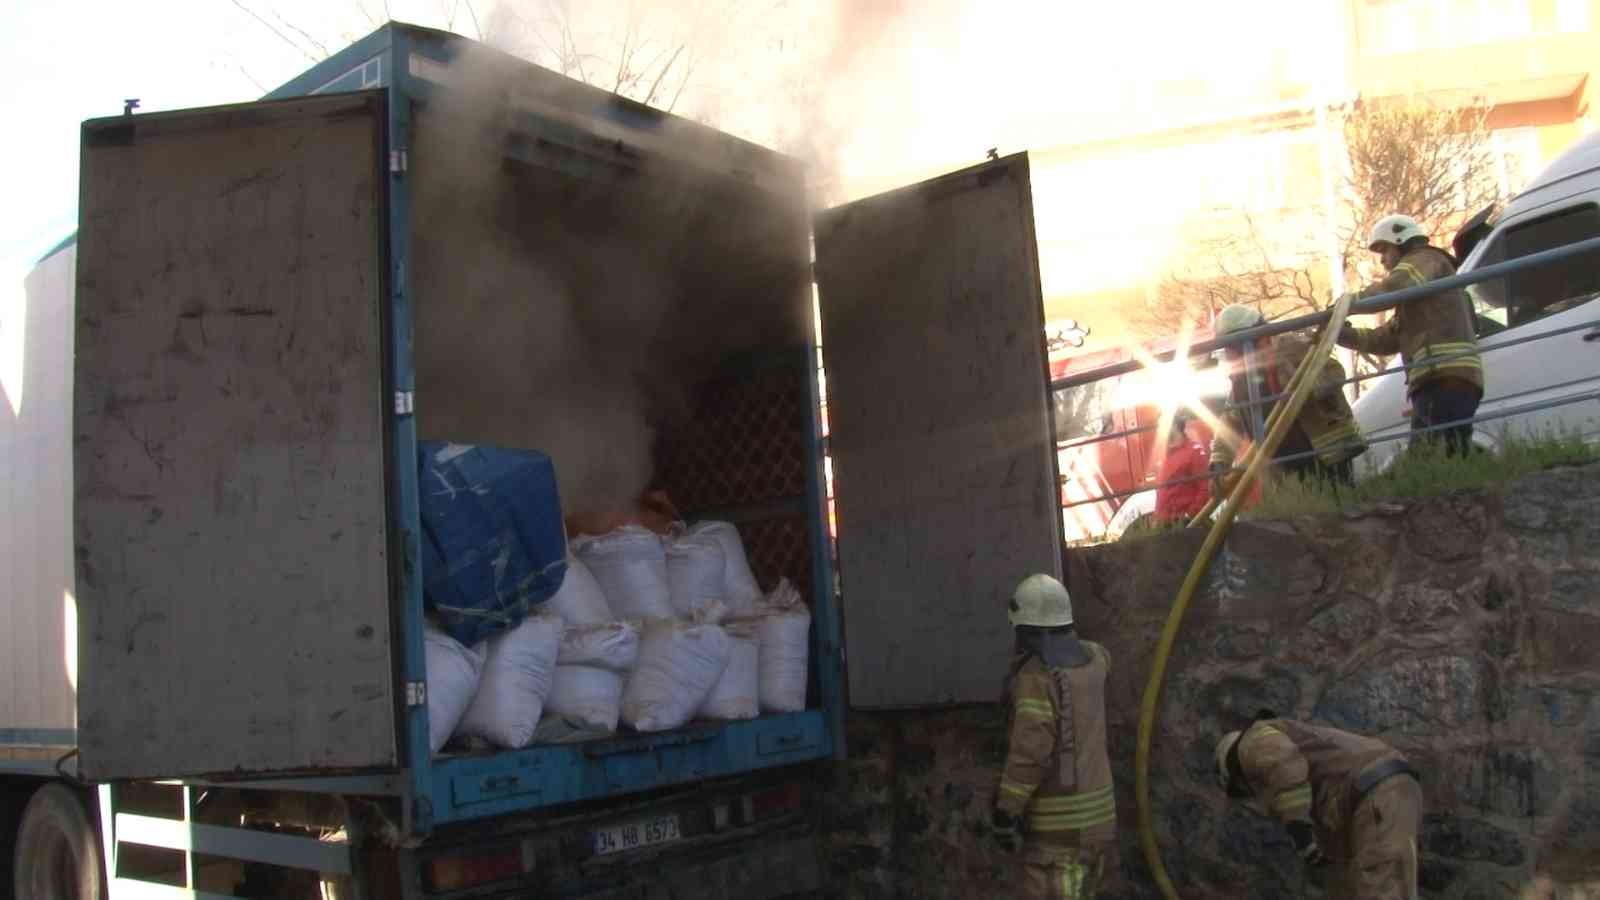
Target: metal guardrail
1486, 417
1365, 376
1377, 303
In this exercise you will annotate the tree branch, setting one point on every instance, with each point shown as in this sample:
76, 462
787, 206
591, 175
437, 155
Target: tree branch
268, 25
660, 76
303, 33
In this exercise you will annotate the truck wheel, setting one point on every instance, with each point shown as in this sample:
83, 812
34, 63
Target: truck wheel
58, 853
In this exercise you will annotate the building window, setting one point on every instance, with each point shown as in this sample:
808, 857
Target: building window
1388, 27
1517, 158
1572, 16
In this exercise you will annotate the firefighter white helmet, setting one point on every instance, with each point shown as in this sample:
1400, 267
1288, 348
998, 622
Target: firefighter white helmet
1041, 602
1237, 317
1396, 230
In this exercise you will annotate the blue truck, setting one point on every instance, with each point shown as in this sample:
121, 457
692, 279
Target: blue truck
216, 683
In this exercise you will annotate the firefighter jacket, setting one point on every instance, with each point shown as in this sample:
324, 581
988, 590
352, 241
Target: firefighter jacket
1326, 419
1434, 335
1308, 773
1057, 776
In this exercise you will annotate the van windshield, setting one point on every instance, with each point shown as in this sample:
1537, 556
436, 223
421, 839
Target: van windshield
1545, 290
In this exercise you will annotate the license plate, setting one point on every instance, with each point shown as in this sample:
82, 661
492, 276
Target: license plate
634, 835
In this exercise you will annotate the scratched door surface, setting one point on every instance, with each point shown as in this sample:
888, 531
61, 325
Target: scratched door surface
232, 579
944, 467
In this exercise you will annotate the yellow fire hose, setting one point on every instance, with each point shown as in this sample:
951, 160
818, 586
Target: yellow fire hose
1277, 426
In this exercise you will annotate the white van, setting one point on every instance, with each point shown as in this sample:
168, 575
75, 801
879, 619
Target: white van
1560, 206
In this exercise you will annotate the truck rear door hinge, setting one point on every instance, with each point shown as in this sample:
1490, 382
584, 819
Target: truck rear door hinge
416, 693
404, 403
399, 161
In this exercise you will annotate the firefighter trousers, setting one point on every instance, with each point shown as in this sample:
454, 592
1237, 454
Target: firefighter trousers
1062, 873
1383, 845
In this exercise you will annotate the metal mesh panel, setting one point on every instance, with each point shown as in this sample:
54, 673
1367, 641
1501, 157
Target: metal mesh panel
743, 456
779, 548
746, 444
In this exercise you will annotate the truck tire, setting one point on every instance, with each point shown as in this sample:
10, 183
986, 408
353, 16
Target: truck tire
58, 852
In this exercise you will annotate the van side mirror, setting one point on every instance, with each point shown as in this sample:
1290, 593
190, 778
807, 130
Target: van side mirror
1473, 232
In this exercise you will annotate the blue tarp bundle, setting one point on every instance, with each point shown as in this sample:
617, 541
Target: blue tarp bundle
493, 546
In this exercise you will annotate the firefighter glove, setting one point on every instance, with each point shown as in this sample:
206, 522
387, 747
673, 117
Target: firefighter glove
1347, 336
1007, 831
1305, 843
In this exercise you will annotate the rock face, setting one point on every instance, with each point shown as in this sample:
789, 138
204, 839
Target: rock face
1463, 629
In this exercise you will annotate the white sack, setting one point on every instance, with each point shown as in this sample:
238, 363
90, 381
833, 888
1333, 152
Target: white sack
739, 587
589, 674
581, 600
587, 695
631, 567
679, 663
614, 646
694, 572
784, 625
453, 672
516, 680
736, 691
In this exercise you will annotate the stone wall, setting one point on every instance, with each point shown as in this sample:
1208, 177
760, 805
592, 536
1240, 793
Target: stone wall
1463, 629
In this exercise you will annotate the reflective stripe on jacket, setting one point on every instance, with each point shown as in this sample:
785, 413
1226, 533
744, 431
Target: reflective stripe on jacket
1326, 418
1057, 774
1307, 773
1434, 334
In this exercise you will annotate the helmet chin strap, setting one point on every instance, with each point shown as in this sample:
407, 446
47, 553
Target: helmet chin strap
1238, 784
1056, 648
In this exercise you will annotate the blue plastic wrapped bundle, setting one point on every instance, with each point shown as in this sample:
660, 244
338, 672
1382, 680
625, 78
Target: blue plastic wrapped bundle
493, 545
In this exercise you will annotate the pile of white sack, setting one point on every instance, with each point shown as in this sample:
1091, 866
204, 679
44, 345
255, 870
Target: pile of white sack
647, 631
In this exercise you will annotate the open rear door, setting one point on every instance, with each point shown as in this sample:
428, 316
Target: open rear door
233, 578
944, 466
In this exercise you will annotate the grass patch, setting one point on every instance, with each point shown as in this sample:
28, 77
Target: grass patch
1425, 471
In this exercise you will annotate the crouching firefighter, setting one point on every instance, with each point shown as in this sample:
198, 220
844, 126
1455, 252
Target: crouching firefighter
1351, 803
1055, 802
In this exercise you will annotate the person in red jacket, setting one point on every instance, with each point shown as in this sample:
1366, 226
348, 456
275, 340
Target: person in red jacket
1186, 458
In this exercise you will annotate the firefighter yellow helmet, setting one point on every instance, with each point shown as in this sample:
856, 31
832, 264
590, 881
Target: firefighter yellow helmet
1237, 317
1395, 229
1041, 602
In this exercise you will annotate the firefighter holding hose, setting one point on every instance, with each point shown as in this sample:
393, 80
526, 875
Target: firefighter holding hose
1324, 440
1055, 804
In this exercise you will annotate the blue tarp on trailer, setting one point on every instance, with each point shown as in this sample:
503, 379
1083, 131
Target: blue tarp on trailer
493, 545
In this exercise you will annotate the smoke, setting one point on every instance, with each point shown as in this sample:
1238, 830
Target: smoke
575, 319
575, 315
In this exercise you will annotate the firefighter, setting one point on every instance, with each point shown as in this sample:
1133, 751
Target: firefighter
1181, 485
1324, 439
1434, 335
1054, 802
1351, 803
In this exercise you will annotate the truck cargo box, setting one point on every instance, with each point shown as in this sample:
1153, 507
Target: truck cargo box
278, 301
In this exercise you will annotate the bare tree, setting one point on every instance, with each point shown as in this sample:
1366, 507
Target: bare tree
1236, 263
1435, 163
645, 51
1431, 162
